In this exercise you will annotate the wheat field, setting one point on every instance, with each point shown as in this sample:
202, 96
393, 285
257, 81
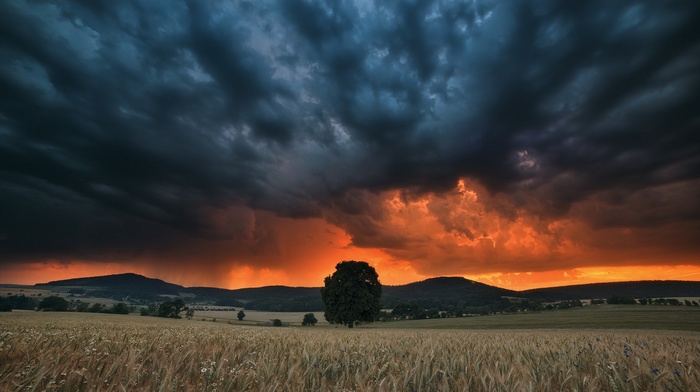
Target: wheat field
90, 352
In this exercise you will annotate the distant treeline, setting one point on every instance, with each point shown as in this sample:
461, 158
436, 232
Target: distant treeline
618, 300
59, 304
416, 310
299, 304
17, 302
402, 308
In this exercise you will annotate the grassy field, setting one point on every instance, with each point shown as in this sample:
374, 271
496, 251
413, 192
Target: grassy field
255, 317
683, 318
100, 352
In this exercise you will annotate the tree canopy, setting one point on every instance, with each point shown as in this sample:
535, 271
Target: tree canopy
309, 319
54, 304
171, 309
352, 294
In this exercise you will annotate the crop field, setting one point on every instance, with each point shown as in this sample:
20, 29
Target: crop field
100, 352
685, 318
254, 317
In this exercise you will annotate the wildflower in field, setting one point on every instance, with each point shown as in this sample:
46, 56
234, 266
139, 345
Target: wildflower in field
654, 371
204, 370
677, 372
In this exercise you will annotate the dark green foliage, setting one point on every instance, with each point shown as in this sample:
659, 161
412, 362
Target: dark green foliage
5, 306
286, 304
119, 308
53, 304
21, 302
569, 304
189, 314
277, 322
76, 291
309, 320
124, 295
618, 300
405, 311
229, 302
171, 309
352, 294
241, 315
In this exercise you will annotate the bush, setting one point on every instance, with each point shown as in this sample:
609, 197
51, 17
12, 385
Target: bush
277, 322
5, 306
53, 304
119, 308
171, 309
617, 300
309, 319
21, 302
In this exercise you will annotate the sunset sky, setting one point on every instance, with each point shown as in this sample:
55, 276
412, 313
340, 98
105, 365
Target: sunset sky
248, 143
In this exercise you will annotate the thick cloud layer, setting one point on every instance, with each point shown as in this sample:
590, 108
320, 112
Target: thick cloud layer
135, 130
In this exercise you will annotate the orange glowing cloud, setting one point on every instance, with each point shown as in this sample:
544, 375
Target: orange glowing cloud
470, 232
406, 236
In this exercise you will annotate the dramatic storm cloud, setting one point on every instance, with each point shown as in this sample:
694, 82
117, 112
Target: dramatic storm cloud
264, 140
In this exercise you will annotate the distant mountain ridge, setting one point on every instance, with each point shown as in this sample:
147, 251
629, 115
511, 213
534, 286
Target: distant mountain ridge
428, 293
127, 281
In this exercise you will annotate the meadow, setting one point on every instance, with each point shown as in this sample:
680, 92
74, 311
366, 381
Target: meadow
102, 352
684, 318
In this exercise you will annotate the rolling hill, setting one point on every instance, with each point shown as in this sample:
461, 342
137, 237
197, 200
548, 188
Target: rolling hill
637, 289
439, 292
127, 282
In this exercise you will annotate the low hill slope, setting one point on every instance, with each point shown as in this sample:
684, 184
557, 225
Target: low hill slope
638, 289
441, 292
120, 282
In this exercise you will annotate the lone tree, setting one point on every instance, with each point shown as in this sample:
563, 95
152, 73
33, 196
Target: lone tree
309, 319
352, 294
171, 309
241, 315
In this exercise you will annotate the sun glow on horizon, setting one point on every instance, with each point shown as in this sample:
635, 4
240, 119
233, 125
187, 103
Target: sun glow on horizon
390, 273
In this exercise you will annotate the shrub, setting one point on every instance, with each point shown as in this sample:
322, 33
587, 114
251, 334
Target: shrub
309, 319
53, 304
5, 306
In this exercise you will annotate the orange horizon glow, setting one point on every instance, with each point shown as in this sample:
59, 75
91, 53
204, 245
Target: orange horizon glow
465, 232
30, 274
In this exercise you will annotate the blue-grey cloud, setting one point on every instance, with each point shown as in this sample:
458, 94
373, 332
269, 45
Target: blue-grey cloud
115, 113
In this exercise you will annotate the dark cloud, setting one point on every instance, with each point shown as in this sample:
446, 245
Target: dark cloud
127, 126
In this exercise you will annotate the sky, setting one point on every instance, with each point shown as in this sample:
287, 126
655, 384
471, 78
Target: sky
247, 143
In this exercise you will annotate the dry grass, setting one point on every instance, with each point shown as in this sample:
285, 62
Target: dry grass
84, 352
255, 317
